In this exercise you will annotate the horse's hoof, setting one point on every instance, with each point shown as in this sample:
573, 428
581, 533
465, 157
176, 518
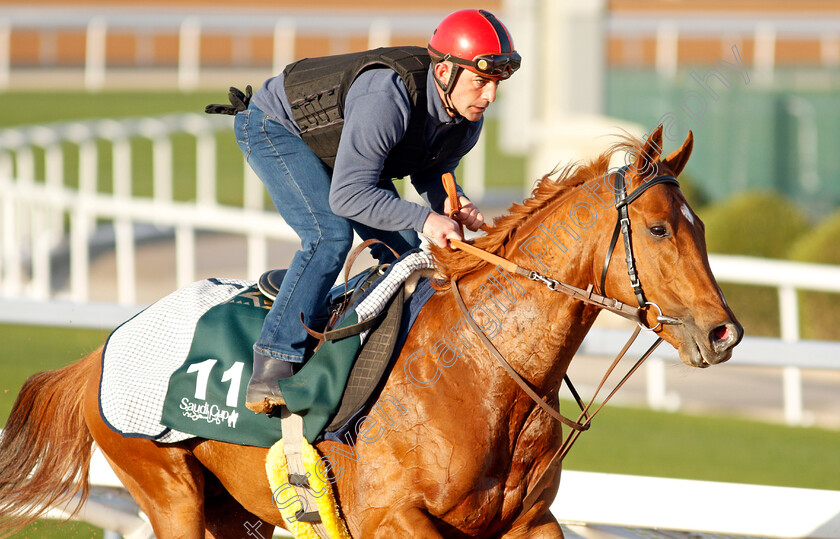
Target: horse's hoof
266, 406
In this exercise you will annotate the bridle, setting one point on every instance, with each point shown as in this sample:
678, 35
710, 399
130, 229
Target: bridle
622, 223
588, 295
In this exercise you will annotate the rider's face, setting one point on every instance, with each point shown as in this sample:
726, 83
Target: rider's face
472, 93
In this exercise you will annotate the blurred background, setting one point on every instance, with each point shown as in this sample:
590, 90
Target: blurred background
115, 188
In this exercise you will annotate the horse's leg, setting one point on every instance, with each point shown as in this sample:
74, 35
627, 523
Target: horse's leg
241, 472
544, 527
538, 522
409, 522
166, 481
225, 517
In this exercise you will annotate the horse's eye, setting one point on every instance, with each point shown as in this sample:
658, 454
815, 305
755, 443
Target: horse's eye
659, 231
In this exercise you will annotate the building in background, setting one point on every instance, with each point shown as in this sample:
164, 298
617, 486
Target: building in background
756, 81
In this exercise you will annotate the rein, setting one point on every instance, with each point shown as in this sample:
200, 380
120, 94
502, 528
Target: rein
587, 295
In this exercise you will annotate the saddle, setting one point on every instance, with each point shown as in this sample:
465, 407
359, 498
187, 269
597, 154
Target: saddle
378, 335
383, 330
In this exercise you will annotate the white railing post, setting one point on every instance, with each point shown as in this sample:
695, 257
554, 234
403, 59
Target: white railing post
6, 171
79, 254
11, 248
88, 173
792, 376
54, 172
764, 57
667, 49
830, 50
252, 197
162, 168
474, 169
25, 177
6, 166
656, 383
284, 44
123, 227
184, 255
189, 54
40, 240
95, 54
379, 33
257, 255
25, 165
5, 54
205, 167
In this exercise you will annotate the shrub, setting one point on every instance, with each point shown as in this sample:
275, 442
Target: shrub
756, 224
820, 311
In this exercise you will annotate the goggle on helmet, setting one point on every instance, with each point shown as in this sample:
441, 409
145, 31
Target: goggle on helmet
475, 40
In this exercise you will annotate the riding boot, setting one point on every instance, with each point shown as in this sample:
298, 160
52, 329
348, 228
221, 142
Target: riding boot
263, 394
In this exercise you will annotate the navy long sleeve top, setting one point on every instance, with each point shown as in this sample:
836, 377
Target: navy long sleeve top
376, 115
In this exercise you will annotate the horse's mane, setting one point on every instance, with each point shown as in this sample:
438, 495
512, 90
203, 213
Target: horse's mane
555, 185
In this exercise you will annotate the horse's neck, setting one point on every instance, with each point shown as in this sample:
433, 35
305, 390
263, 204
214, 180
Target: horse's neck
536, 329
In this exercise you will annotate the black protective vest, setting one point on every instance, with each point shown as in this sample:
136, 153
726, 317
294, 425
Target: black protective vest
317, 89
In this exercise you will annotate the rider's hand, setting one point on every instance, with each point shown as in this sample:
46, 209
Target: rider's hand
238, 102
440, 229
469, 216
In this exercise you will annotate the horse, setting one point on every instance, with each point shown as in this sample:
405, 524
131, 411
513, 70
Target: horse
460, 449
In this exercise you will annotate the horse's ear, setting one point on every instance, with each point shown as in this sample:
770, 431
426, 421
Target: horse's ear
644, 166
677, 160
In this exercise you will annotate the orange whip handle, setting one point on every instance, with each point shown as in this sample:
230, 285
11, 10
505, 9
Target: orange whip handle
454, 202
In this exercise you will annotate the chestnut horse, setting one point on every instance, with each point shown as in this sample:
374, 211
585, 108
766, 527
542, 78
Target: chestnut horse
460, 445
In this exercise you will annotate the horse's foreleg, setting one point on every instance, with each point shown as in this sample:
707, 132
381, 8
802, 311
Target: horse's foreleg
410, 522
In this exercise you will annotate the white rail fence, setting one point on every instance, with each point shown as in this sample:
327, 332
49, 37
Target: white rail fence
284, 26
34, 213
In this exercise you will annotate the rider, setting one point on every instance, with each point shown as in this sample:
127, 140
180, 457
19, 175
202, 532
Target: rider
328, 135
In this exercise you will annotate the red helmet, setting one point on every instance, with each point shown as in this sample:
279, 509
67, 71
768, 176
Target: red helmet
476, 40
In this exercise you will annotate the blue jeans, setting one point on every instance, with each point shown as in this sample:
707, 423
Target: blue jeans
298, 183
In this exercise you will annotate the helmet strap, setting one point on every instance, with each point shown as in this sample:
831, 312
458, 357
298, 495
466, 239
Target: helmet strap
454, 73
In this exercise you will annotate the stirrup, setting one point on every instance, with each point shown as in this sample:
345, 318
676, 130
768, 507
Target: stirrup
269, 283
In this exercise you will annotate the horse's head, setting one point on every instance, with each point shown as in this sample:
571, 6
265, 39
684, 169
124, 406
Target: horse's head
564, 230
669, 249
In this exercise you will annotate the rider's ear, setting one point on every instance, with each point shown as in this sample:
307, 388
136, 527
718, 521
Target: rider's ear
443, 70
677, 160
642, 161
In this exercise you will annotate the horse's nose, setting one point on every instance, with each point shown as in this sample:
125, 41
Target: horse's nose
724, 337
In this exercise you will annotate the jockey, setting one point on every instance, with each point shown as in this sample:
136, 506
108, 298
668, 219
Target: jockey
327, 137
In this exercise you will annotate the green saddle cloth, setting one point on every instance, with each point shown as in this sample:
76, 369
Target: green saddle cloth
206, 395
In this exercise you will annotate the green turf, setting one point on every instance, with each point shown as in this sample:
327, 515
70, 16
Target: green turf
52, 529
25, 350
22, 108
643, 442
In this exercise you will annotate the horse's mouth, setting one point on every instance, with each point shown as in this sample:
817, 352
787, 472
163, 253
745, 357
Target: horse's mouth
703, 349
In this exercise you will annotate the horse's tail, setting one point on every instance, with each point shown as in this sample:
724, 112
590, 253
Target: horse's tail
45, 447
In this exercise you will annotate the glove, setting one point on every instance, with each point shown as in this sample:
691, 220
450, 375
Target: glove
238, 102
